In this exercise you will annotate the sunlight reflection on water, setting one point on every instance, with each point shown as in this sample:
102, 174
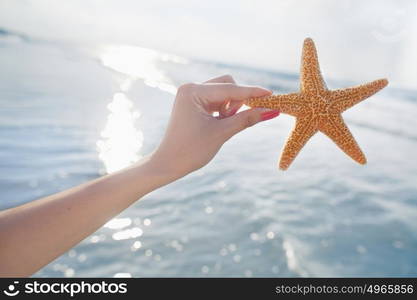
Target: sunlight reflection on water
292, 259
141, 63
127, 234
120, 140
118, 223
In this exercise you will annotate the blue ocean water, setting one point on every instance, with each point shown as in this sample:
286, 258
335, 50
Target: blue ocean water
71, 113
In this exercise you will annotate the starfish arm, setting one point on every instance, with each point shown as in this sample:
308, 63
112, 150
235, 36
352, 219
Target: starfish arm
304, 129
311, 79
344, 99
335, 128
289, 104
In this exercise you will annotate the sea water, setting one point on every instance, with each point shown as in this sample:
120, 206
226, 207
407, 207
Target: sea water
69, 114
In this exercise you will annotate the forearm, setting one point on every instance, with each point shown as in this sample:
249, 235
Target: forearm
34, 234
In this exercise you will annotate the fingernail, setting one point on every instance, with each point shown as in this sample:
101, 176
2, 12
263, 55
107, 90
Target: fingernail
269, 115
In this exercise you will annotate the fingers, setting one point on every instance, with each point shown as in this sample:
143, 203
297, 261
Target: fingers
219, 92
221, 79
222, 94
247, 119
229, 108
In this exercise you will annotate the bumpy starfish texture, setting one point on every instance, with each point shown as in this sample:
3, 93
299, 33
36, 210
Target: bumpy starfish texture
318, 109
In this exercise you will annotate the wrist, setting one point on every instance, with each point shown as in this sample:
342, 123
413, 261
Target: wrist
159, 171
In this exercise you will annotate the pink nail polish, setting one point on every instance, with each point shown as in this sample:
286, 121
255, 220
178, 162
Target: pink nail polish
269, 115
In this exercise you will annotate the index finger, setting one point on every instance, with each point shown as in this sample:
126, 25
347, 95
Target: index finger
221, 79
219, 92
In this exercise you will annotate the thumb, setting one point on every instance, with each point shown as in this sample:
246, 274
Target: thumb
247, 118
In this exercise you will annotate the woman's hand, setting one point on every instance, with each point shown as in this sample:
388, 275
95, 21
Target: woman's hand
35, 233
194, 135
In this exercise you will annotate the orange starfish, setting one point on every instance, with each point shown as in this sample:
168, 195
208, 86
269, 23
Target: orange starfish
318, 109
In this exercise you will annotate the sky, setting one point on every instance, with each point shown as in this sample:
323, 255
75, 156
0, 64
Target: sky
357, 40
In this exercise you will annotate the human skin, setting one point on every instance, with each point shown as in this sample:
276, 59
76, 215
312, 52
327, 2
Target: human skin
35, 233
